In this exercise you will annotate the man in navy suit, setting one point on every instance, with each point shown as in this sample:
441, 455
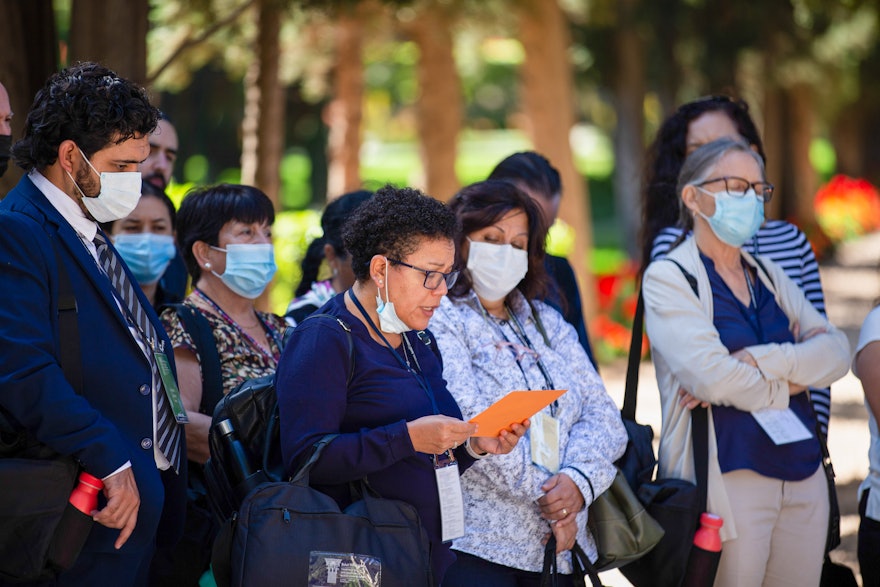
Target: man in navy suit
86, 134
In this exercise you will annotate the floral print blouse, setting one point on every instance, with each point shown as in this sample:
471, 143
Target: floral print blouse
239, 359
480, 355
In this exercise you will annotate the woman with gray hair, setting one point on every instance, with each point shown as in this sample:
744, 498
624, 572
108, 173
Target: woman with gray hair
742, 341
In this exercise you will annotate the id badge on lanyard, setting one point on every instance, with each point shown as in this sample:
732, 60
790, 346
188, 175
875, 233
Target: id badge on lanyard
170, 386
544, 441
451, 501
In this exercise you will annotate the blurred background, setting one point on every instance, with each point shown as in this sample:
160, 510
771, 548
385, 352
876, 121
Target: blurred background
309, 99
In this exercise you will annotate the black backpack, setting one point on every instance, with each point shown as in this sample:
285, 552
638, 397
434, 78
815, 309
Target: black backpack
249, 415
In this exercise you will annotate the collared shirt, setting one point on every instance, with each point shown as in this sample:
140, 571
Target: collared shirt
86, 229
484, 358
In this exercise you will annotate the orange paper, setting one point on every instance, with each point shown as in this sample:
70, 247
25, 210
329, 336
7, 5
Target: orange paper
514, 407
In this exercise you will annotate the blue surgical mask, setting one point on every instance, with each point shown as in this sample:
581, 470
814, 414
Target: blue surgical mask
736, 219
389, 321
146, 254
249, 268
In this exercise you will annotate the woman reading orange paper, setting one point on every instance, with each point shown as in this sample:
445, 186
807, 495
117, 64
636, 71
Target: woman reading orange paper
495, 335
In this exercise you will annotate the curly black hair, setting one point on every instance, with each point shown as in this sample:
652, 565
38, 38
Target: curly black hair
482, 204
666, 155
88, 104
204, 211
334, 218
393, 223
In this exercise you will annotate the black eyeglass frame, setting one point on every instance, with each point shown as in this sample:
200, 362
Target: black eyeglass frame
765, 194
450, 278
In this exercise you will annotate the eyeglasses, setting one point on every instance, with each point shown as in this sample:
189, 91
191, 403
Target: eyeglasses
737, 187
433, 279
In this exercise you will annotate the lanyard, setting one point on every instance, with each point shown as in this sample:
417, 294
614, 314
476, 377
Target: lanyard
517, 328
416, 372
235, 325
754, 321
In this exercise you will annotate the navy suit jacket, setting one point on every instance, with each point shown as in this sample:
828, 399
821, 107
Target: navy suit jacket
111, 422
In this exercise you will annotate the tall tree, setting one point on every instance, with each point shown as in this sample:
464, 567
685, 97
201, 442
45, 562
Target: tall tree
344, 113
112, 32
548, 98
629, 91
263, 124
439, 107
28, 55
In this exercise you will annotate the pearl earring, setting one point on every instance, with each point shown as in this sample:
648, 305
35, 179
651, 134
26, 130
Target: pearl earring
207, 265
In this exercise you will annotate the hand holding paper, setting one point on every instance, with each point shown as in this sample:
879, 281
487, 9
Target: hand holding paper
516, 406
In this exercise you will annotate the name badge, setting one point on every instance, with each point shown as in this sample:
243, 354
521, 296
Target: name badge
170, 386
544, 440
451, 501
782, 426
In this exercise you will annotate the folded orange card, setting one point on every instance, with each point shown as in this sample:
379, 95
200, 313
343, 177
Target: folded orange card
514, 407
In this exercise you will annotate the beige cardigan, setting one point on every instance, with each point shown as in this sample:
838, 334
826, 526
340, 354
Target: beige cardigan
688, 353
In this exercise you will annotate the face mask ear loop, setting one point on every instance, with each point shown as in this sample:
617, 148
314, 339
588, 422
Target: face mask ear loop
387, 299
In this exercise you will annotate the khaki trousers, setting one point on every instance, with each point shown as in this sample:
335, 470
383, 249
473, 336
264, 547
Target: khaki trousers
781, 528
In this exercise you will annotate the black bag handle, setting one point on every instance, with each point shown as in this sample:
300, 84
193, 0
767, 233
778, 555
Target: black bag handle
699, 415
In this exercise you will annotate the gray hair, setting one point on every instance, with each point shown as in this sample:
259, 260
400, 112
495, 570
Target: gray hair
700, 165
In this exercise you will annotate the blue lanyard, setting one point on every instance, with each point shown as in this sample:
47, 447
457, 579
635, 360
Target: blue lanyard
423, 381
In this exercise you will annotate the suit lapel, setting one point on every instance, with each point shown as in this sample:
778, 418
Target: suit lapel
75, 248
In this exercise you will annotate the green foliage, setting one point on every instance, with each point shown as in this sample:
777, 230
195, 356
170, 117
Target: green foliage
292, 233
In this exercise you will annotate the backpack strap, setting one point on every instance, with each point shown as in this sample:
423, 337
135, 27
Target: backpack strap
196, 325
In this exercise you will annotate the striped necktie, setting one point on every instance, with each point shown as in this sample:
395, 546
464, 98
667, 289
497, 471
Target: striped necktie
168, 432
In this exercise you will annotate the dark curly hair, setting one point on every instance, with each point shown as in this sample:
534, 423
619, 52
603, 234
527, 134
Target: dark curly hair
393, 223
484, 203
666, 155
335, 215
88, 104
204, 211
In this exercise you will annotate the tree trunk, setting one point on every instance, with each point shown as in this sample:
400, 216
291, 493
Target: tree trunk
548, 98
439, 107
28, 56
801, 113
344, 113
629, 88
263, 124
773, 137
113, 33
270, 126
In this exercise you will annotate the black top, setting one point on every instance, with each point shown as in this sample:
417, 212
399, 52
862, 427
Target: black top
562, 285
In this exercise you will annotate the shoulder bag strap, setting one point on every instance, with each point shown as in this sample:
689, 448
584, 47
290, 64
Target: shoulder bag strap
699, 419
197, 326
71, 362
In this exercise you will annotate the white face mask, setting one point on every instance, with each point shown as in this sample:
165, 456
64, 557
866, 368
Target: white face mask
389, 321
496, 269
119, 195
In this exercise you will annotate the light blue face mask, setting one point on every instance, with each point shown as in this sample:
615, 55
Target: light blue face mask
146, 254
249, 268
389, 321
736, 219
